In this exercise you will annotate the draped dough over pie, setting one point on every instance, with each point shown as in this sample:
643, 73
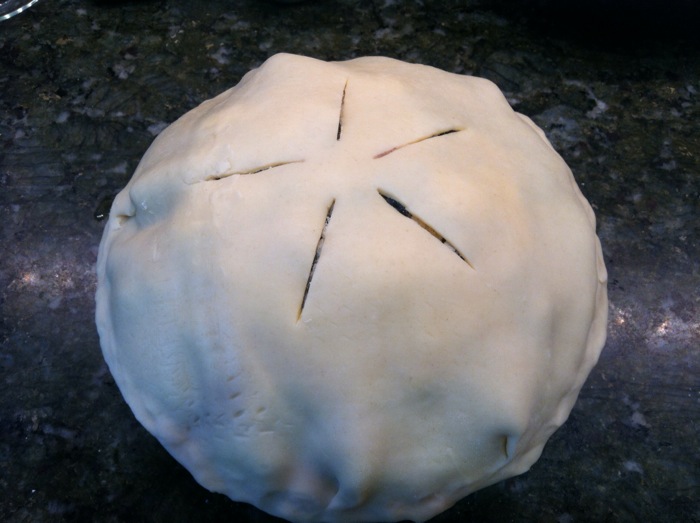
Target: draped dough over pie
351, 291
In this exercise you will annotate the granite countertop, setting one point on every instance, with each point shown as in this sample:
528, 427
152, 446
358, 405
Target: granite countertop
85, 86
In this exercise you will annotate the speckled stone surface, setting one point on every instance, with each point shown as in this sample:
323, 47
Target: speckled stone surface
84, 88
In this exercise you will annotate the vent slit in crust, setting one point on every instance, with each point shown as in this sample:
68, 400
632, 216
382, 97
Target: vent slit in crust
317, 255
434, 135
340, 115
401, 209
254, 170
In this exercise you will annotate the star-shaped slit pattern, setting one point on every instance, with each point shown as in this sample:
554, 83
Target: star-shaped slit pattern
389, 199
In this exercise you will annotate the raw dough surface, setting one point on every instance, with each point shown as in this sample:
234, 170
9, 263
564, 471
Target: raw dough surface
351, 291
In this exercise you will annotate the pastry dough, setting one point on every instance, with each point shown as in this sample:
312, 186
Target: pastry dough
351, 291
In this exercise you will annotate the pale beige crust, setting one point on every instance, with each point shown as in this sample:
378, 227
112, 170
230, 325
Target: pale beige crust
351, 291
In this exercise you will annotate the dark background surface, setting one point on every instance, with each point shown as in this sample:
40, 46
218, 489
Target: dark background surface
84, 88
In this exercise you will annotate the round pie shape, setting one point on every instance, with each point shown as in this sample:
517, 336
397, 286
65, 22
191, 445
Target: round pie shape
351, 291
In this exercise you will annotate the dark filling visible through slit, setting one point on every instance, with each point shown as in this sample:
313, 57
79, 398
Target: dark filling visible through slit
342, 107
434, 135
317, 255
401, 208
